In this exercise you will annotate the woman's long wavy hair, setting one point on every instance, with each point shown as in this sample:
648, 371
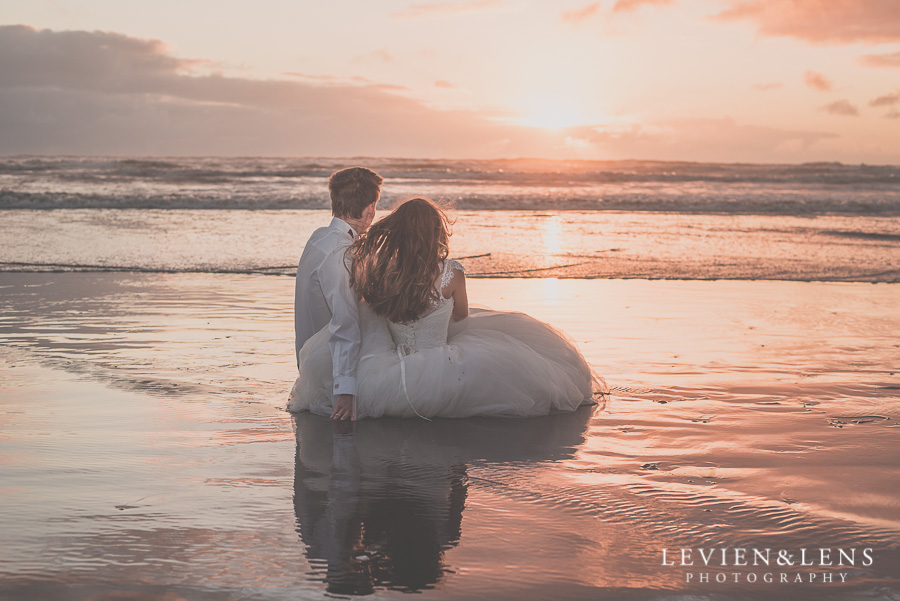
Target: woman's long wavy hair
395, 264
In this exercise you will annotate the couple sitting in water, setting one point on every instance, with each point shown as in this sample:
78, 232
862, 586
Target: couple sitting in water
383, 325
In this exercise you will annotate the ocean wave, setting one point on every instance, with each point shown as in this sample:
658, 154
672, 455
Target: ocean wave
751, 204
518, 171
56, 200
521, 184
875, 236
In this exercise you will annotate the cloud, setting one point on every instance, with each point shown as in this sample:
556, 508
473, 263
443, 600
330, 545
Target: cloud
820, 21
817, 81
580, 14
621, 6
886, 100
630, 5
881, 60
106, 93
712, 140
765, 87
447, 8
328, 79
841, 107
443, 83
82, 59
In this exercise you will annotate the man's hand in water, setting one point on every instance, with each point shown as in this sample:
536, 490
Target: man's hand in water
344, 407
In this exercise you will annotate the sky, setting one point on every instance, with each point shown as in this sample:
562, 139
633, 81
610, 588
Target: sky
784, 81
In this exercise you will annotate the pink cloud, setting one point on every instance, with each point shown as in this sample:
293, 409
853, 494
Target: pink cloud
580, 14
308, 76
841, 107
881, 60
892, 115
886, 100
328, 79
702, 139
388, 87
765, 87
629, 5
817, 81
839, 21
443, 83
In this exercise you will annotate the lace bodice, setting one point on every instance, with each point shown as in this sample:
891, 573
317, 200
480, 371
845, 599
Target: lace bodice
430, 330
427, 332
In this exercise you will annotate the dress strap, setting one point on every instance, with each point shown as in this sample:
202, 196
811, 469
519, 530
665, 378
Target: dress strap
447, 275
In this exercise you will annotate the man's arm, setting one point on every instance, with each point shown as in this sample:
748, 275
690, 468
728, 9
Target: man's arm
299, 332
344, 332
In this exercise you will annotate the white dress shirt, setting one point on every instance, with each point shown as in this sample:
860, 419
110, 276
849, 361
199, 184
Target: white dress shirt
322, 296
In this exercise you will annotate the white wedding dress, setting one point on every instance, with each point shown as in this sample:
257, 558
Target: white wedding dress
490, 363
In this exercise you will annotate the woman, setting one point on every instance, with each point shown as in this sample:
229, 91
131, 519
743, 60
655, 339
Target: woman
422, 353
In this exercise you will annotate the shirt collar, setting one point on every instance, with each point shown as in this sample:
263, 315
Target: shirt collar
342, 226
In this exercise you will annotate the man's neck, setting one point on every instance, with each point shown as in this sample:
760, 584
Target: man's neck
358, 225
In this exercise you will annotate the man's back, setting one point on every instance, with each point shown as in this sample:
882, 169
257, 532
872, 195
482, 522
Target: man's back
322, 294
321, 275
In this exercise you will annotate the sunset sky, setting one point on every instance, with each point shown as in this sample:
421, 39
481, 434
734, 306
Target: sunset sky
701, 80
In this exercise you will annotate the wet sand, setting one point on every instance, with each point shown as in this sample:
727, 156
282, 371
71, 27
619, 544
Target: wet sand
145, 453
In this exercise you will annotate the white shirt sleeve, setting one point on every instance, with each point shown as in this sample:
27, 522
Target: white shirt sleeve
344, 325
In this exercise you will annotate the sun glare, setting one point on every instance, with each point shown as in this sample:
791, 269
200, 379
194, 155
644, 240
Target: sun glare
551, 112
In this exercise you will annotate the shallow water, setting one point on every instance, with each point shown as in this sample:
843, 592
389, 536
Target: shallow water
145, 453
581, 244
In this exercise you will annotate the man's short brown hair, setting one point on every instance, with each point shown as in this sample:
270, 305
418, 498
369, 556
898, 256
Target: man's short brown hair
352, 190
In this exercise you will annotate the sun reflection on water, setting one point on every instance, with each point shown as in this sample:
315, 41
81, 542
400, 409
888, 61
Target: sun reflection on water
550, 235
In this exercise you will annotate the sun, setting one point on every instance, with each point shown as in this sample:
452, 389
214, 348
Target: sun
551, 112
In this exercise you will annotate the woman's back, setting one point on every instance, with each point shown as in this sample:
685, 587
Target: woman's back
429, 330
426, 332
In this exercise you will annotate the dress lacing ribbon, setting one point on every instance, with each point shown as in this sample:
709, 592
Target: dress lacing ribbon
400, 353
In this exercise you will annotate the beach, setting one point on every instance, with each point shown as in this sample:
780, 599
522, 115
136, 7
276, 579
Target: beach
147, 453
744, 317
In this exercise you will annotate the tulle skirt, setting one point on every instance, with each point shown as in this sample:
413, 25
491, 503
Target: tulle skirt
494, 364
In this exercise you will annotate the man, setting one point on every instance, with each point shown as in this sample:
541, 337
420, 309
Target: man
322, 294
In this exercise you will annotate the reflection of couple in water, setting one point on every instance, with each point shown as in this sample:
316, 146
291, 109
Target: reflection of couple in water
379, 503
383, 326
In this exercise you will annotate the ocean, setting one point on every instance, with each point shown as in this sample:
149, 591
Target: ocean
513, 218
524, 184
